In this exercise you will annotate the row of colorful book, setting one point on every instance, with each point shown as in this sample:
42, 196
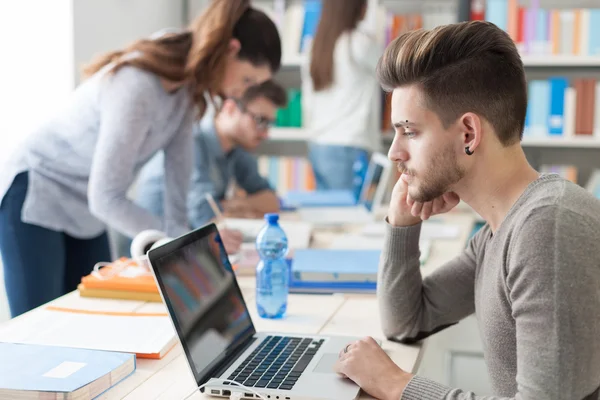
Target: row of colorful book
543, 31
563, 107
287, 173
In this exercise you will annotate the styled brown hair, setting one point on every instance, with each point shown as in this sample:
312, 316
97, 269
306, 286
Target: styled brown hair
337, 17
270, 90
197, 56
465, 67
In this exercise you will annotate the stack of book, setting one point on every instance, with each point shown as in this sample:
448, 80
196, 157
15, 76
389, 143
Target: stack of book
124, 279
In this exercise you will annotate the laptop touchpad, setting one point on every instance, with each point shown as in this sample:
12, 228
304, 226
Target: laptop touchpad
326, 363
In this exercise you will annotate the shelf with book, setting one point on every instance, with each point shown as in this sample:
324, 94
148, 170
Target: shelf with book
560, 60
559, 3
585, 142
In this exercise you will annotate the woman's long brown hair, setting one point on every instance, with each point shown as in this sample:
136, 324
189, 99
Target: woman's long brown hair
197, 56
337, 17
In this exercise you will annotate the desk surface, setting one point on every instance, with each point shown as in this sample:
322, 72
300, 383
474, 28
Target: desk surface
345, 314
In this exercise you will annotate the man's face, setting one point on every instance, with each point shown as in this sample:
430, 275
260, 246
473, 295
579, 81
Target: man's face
254, 123
425, 152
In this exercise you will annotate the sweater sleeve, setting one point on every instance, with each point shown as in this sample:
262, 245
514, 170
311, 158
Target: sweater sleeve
127, 102
553, 278
179, 159
413, 307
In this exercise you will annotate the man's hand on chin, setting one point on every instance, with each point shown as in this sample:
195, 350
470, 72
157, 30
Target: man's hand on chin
365, 363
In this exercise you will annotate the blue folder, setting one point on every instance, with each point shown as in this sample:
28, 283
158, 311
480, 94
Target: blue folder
329, 265
28, 367
319, 198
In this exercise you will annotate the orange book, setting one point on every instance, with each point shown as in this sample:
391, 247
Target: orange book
577, 34
122, 279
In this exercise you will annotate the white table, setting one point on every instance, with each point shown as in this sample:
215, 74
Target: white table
347, 314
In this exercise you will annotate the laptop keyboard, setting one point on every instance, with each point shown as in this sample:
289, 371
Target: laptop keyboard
276, 363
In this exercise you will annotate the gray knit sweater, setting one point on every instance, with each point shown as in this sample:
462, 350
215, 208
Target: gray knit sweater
534, 286
82, 162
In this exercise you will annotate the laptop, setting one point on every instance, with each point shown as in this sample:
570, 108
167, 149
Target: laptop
375, 186
218, 336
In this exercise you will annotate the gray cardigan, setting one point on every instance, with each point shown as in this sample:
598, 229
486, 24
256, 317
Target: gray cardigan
82, 162
534, 286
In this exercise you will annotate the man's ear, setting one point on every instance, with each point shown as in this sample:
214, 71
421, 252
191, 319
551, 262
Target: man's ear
471, 127
234, 47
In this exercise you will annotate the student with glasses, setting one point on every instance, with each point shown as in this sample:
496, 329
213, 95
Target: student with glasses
222, 147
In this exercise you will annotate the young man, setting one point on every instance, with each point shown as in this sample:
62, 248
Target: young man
531, 275
222, 153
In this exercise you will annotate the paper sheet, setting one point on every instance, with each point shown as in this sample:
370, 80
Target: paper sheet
429, 230
129, 334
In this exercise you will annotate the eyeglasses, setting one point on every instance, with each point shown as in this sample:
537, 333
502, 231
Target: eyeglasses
262, 122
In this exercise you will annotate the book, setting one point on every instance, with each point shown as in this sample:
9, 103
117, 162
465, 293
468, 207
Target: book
46, 372
147, 335
342, 265
85, 291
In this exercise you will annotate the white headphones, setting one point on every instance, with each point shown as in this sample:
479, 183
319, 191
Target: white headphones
146, 240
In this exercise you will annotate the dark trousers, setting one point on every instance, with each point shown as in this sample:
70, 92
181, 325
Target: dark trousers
41, 264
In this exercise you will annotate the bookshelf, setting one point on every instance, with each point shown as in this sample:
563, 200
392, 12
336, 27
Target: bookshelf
581, 150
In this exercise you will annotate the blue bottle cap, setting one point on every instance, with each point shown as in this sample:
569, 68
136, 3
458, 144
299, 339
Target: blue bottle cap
272, 218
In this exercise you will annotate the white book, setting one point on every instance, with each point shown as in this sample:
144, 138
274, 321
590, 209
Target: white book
584, 30
567, 30
292, 32
570, 108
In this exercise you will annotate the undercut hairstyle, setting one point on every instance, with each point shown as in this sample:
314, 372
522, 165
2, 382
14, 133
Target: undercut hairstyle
465, 67
270, 90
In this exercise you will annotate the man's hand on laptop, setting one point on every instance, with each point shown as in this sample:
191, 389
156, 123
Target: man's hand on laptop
232, 239
405, 210
365, 363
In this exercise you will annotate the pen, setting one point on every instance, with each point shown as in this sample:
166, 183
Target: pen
215, 208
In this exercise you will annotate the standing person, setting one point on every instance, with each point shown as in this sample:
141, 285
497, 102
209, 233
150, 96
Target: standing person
71, 178
531, 275
340, 94
223, 145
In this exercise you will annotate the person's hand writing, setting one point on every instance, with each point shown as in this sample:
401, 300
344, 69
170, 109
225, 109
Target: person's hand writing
405, 211
232, 239
365, 363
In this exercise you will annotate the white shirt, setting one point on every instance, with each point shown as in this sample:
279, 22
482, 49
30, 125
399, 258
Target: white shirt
347, 112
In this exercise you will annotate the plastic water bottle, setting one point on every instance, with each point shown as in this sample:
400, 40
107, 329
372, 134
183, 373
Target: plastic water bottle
359, 170
272, 271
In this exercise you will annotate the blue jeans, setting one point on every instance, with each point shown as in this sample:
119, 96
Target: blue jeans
41, 264
332, 165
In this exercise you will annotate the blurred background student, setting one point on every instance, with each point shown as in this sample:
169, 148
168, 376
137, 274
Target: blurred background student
223, 142
70, 180
340, 93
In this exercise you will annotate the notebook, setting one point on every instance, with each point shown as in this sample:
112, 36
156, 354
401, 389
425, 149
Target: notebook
146, 335
48, 372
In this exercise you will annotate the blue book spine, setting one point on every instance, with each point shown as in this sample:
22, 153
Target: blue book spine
541, 30
312, 13
594, 34
540, 107
496, 11
557, 105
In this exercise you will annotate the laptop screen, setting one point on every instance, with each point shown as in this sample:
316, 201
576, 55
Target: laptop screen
203, 298
372, 180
